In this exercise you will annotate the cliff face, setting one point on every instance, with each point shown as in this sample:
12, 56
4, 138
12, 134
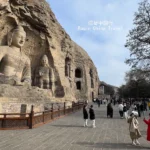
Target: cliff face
74, 72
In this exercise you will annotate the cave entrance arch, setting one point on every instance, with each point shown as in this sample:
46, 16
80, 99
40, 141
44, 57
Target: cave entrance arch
78, 85
78, 73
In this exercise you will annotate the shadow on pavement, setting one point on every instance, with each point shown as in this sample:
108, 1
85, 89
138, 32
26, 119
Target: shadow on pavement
112, 145
67, 126
143, 132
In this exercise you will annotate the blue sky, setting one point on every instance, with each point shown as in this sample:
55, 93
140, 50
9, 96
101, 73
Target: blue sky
103, 42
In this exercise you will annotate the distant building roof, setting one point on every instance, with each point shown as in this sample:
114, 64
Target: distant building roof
104, 83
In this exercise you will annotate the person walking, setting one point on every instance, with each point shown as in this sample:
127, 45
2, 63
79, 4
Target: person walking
138, 108
134, 128
148, 129
85, 115
145, 105
92, 116
125, 110
121, 109
98, 102
109, 110
114, 102
142, 108
148, 104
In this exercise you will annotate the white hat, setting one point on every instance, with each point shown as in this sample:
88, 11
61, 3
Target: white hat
135, 113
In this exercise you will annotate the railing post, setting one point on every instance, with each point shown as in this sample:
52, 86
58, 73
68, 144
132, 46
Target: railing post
3, 121
43, 116
58, 111
72, 105
64, 108
52, 117
31, 117
69, 109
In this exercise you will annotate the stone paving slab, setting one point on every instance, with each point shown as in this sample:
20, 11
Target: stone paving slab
68, 133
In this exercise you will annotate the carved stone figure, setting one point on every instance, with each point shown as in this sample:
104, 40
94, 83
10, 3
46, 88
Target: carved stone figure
68, 78
91, 75
13, 62
44, 74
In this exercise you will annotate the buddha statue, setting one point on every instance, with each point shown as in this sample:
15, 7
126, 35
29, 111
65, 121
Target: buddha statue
44, 74
13, 62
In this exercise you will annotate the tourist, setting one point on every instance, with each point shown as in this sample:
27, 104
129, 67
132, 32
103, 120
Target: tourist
114, 102
138, 108
125, 110
142, 108
132, 107
136, 111
121, 109
145, 105
104, 101
134, 128
148, 129
86, 102
98, 102
92, 116
149, 104
109, 110
85, 115
94, 100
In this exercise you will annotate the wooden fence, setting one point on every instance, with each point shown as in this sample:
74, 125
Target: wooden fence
31, 120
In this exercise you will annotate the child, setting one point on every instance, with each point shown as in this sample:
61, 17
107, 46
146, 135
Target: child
148, 129
92, 115
85, 115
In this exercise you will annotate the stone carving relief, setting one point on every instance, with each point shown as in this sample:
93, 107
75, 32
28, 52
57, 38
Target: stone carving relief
13, 62
91, 77
68, 67
44, 77
44, 36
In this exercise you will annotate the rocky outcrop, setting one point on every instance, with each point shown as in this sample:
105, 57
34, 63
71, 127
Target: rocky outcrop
75, 74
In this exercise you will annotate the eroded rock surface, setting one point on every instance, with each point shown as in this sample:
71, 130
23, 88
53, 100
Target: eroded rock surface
75, 76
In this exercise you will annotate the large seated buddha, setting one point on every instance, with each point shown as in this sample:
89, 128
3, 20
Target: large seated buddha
13, 62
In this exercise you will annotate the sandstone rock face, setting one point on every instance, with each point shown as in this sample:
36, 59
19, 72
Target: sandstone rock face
75, 76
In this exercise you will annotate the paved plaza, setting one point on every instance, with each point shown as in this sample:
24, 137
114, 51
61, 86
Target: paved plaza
68, 133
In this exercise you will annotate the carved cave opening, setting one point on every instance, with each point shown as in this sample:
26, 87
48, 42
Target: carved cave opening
78, 73
68, 67
78, 85
92, 83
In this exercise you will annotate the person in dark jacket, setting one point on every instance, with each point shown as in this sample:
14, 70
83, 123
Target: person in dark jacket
145, 105
92, 116
98, 102
85, 115
142, 108
109, 110
138, 108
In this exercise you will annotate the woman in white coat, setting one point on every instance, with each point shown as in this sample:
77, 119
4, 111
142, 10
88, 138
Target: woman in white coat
134, 128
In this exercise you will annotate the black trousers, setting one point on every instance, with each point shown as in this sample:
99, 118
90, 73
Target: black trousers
121, 113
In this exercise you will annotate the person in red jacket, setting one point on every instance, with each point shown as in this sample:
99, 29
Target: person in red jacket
148, 129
